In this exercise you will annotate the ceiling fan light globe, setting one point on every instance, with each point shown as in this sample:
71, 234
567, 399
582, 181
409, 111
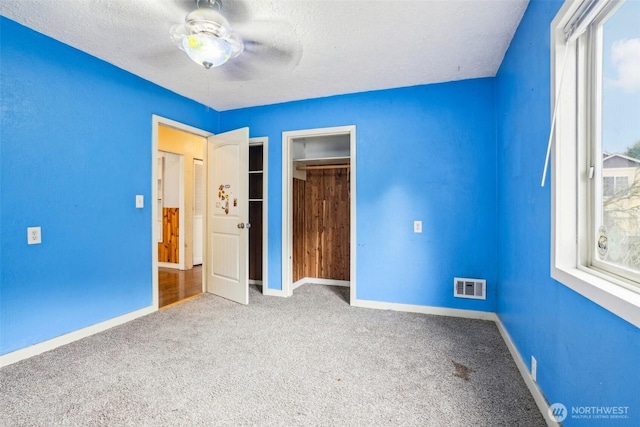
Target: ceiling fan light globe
206, 49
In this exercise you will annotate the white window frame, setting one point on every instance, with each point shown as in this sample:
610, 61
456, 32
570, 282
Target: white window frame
570, 192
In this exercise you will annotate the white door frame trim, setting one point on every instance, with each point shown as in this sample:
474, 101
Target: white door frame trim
156, 122
287, 203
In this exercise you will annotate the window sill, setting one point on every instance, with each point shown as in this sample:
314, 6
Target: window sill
622, 302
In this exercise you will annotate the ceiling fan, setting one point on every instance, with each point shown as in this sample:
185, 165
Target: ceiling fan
209, 40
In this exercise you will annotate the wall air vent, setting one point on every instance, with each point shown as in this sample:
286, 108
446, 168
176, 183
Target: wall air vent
469, 288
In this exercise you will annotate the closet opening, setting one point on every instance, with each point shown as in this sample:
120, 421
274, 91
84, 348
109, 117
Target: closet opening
319, 208
258, 212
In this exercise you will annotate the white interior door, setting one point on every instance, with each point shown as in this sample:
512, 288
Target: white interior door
227, 236
198, 210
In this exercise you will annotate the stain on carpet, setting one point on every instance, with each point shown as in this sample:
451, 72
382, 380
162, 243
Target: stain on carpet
462, 371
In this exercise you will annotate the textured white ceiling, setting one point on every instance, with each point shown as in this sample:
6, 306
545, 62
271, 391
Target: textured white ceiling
347, 46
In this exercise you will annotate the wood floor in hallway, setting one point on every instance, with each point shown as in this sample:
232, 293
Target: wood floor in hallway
175, 285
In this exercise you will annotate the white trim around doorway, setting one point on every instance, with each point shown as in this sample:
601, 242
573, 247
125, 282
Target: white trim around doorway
287, 204
157, 121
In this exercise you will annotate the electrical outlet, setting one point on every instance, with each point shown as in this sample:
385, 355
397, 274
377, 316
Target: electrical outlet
417, 226
34, 236
534, 369
139, 201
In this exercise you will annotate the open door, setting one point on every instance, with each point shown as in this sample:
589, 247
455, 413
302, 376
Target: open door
227, 234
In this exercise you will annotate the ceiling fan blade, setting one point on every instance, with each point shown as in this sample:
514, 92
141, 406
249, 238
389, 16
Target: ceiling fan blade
269, 47
283, 56
239, 71
258, 65
259, 61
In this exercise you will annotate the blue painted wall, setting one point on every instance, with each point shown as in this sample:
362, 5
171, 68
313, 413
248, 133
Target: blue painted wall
423, 153
586, 356
76, 149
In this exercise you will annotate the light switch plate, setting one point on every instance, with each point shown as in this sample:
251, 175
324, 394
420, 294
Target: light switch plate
534, 369
139, 201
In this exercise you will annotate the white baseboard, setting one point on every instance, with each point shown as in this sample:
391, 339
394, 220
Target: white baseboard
170, 265
34, 350
273, 292
328, 282
296, 285
255, 282
425, 309
319, 281
539, 398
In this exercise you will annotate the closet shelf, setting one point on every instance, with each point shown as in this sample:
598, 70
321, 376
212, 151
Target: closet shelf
320, 167
321, 161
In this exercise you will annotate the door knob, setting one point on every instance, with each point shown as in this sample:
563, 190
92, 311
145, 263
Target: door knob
241, 225
248, 225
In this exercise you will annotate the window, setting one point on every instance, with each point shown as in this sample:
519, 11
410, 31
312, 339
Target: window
622, 188
615, 186
596, 169
612, 46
